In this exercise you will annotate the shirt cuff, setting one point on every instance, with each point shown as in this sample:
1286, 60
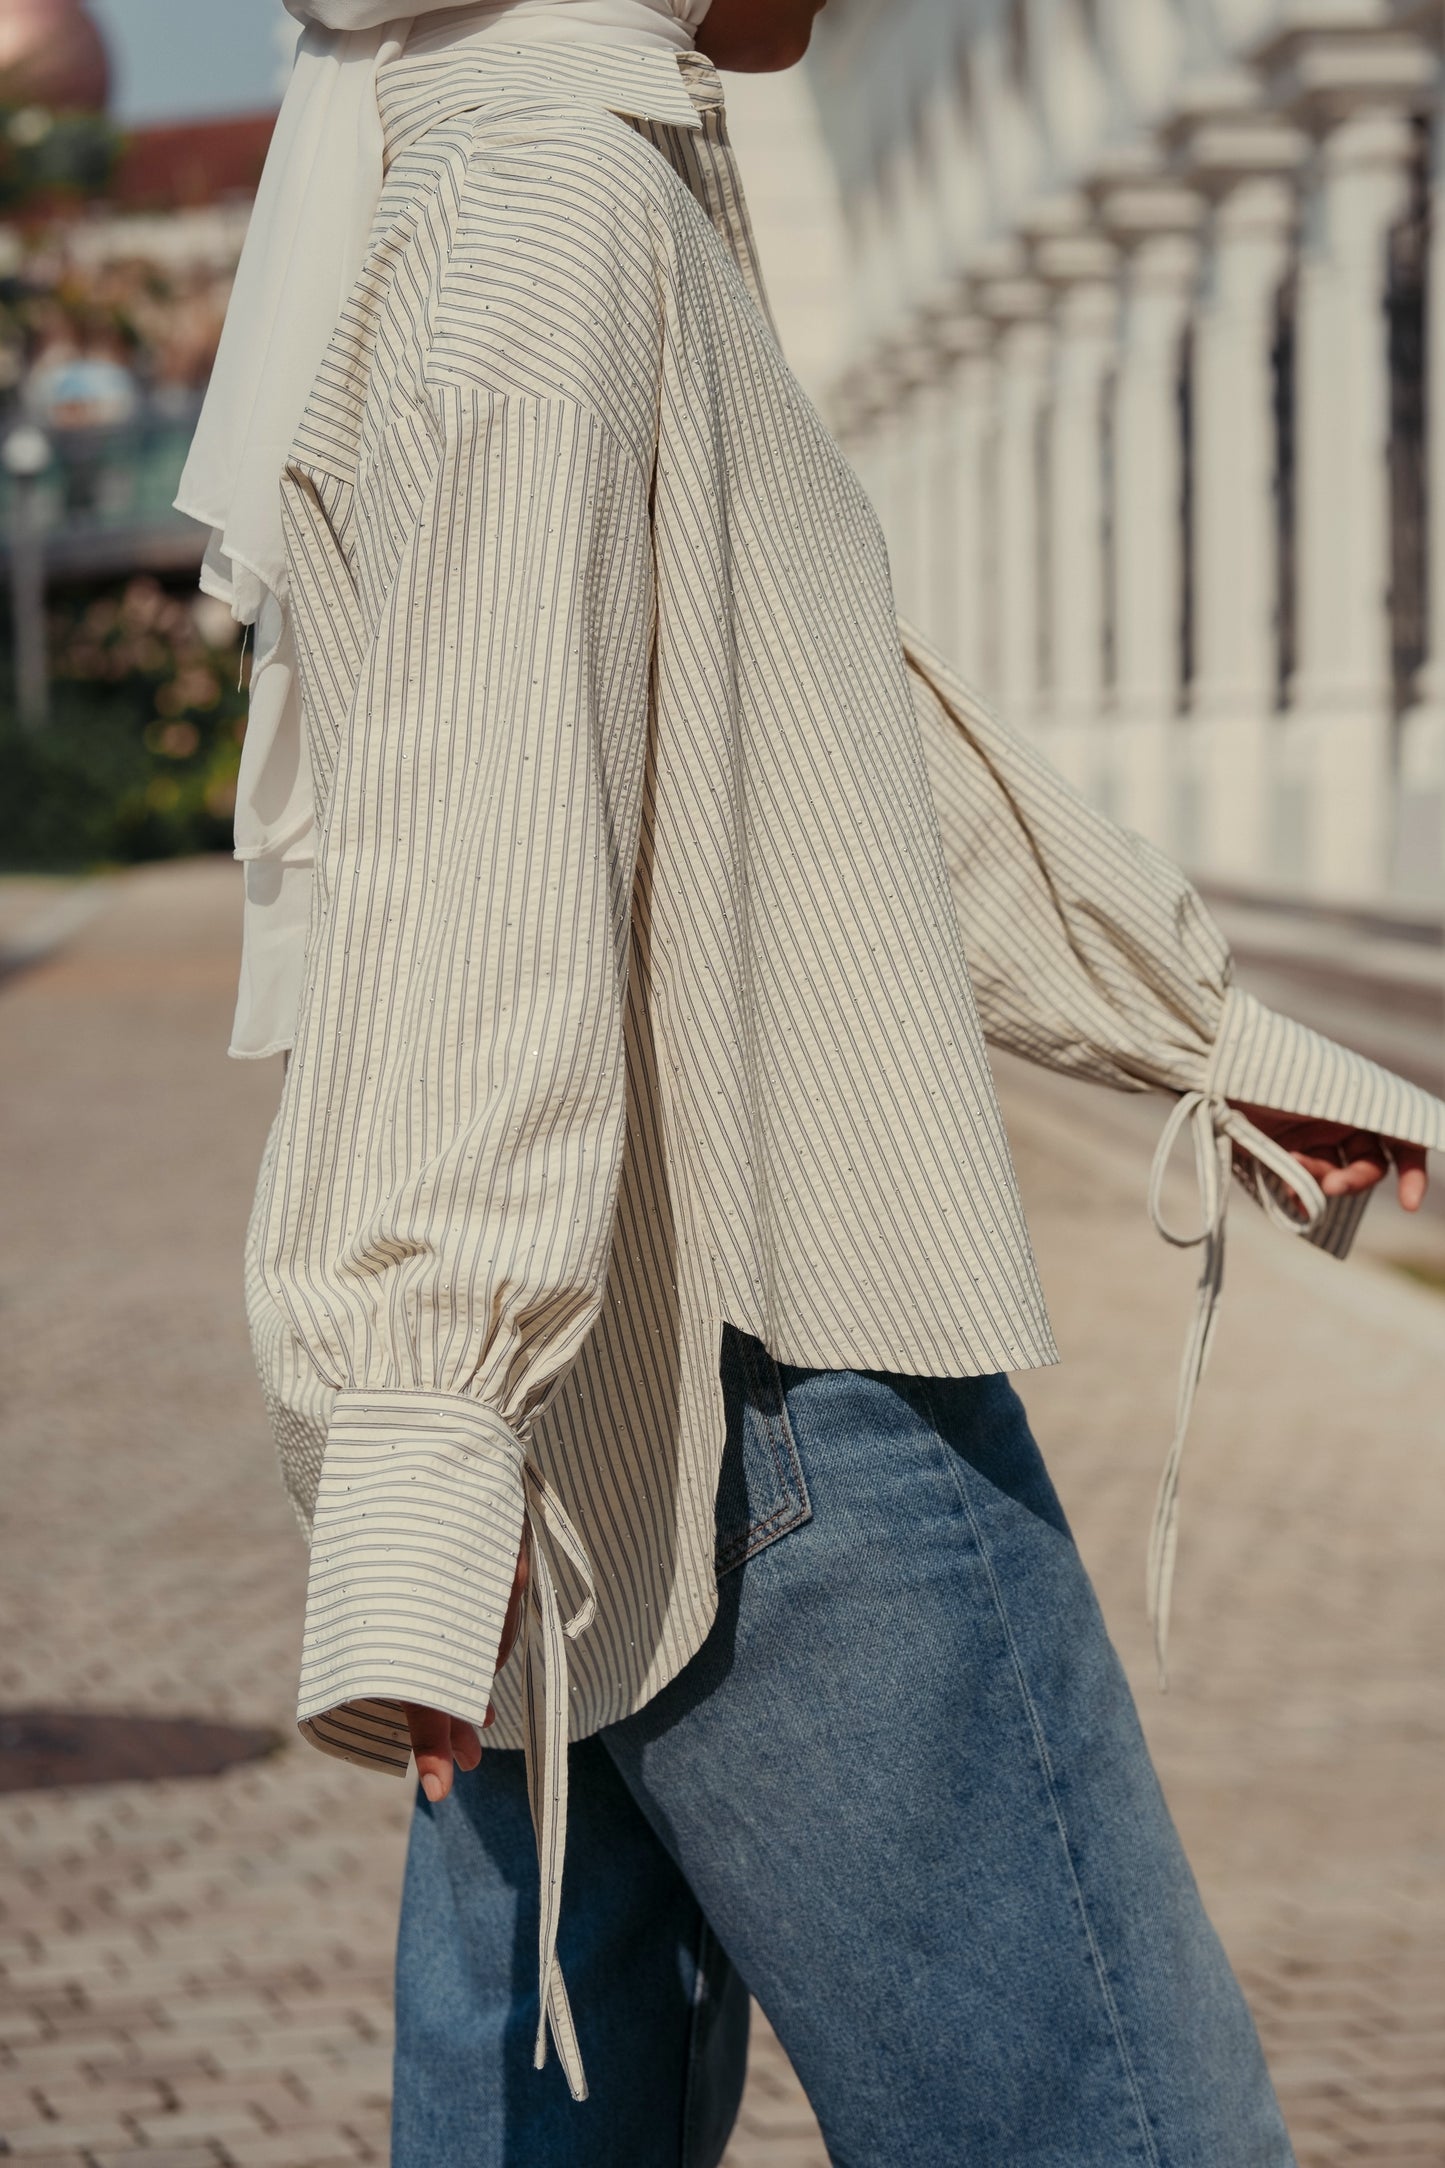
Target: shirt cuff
414, 1544
1265, 1059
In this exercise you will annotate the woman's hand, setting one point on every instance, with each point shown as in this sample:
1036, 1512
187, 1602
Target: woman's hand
438, 1740
1344, 1160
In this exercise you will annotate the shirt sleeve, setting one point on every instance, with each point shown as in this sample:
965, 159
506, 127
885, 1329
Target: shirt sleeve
1091, 953
441, 1204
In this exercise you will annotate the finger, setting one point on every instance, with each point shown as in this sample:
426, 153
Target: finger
466, 1745
1349, 1180
1360, 1172
1360, 1162
431, 1744
1414, 1180
1319, 1168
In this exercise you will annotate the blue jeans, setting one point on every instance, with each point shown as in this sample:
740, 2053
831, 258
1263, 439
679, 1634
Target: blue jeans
901, 1792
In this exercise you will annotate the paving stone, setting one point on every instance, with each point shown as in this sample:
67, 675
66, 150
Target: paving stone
294, 2148
163, 2068
17, 2026
63, 2160
273, 2052
190, 2156
51, 2137
199, 2123
248, 2013
107, 2096
271, 2100
19, 2103
776, 2153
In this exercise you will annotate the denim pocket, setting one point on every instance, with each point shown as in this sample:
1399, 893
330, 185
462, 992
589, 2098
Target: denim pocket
761, 1493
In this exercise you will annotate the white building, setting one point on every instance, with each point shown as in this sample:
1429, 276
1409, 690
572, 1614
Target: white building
1144, 294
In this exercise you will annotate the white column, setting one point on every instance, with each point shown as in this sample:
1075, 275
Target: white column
1236, 555
911, 537
1148, 565
850, 412
931, 494
1342, 754
1420, 867
1022, 349
967, 542
856, 429
893, 490
1086, 321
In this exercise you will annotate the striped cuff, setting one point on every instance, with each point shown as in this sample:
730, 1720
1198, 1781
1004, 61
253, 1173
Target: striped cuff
413, 1552
1269, 1060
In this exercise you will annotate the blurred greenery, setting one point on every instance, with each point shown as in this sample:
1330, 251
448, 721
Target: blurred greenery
139, 757
45, 157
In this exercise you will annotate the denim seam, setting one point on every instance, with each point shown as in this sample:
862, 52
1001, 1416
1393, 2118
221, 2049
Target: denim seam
1111, 2007
689, 2076
759, 1534
796, 1506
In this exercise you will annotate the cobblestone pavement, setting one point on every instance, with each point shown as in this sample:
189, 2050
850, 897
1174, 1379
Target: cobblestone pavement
194, 1974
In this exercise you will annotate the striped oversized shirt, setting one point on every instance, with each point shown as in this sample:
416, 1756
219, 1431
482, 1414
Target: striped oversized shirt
665, 894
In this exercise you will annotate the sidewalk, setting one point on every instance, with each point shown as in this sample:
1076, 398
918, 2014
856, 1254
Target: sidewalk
194, 1973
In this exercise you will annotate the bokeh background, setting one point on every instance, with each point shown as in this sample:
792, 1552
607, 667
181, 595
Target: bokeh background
1131, 314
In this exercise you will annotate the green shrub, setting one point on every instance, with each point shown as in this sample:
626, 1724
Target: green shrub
139, 757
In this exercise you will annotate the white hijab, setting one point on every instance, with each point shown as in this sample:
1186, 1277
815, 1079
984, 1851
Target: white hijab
304, 247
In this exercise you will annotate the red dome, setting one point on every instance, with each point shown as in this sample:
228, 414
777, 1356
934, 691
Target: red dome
51, 53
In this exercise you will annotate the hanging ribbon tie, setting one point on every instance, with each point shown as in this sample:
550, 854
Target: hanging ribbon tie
545, 1698
1216, 1128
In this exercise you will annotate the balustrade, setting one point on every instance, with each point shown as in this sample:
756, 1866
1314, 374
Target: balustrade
1145, 473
